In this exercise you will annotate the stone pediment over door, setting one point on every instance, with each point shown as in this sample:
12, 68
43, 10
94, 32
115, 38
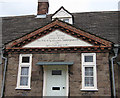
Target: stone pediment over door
59, 36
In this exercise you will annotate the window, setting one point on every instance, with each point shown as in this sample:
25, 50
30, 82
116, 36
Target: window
89, 77
24, 71
24, 76
66, 20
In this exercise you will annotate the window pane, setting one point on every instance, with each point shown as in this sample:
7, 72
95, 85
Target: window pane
88, 58
24, 81
25, 59
66, 20
88, 71
89, 81
24, 70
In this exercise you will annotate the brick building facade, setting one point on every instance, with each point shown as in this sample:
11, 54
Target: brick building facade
75, 75
54, 56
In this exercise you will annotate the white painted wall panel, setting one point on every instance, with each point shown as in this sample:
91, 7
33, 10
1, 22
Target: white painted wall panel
62, 13
57, 39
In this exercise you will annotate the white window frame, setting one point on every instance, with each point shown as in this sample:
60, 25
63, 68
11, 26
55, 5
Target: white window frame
19, 71
89, 64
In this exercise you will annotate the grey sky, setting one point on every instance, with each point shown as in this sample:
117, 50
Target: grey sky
84, 5
29, 7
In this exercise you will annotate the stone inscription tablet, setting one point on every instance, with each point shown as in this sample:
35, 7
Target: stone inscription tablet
57, 39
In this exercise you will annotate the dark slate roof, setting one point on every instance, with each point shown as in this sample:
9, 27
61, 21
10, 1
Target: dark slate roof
103, 24
15, 27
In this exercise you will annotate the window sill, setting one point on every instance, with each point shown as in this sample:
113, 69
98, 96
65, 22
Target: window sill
22, 88
89, 90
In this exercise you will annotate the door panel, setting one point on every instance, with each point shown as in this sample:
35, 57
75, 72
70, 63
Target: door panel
55, 83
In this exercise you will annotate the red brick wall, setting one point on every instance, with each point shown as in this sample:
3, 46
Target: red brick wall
42, 8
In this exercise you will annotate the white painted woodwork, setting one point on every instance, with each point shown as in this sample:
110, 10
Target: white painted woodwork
62, 14
56, 38
21, 64
89, 64
51, 81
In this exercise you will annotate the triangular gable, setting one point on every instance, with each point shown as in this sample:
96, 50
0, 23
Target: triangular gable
57, 38
62, 12
64, 15
68, 29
